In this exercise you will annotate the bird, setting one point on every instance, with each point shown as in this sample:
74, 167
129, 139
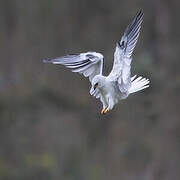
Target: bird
119, 84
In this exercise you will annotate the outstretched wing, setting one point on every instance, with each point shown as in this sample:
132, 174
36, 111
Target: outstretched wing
122, 56
89, 64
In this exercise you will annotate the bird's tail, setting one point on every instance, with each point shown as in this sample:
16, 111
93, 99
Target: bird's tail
138, 84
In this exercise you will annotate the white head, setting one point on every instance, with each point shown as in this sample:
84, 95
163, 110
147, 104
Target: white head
98, 81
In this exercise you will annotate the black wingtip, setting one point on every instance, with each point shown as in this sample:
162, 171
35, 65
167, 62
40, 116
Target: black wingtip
141, 11
140, 14
136, 20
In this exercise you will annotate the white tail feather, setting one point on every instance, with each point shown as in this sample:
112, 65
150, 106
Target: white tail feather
138, 84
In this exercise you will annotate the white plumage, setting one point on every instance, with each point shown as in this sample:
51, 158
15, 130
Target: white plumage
119, 83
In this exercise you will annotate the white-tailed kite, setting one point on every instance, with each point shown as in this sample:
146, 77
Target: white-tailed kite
119, 83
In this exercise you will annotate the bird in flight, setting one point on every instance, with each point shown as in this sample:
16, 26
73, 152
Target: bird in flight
119, 83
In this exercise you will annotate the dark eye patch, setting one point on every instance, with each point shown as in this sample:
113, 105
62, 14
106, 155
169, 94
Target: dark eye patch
95, 86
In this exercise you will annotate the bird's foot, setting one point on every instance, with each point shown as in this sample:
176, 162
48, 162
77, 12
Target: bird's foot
105, 110
102, 111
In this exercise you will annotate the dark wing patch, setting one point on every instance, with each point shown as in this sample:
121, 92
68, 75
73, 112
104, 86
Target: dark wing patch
89, 64
90, 56
131, 34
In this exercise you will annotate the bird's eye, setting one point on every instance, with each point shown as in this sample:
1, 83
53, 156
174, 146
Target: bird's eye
95, 86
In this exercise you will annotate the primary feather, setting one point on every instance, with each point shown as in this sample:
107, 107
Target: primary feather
121, 70
89, 64
119, 83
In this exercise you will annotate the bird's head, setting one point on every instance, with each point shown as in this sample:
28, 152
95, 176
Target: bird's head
98, 81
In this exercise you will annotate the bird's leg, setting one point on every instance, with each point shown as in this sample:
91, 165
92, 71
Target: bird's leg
104, 104
106, 110
102, 111
110, 106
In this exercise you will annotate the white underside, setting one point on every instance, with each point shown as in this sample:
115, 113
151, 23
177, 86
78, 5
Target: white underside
110, 94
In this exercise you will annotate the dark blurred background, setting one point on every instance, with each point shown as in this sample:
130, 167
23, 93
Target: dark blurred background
50, 126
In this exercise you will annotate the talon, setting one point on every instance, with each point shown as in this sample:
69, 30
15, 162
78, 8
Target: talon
106, 110
102, 111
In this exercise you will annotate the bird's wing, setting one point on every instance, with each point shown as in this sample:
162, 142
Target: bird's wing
89, 64
122, 56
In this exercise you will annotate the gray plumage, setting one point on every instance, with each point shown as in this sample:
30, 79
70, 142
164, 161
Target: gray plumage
119, 83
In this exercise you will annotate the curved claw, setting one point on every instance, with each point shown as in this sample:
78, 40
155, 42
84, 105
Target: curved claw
102, 111
105, 110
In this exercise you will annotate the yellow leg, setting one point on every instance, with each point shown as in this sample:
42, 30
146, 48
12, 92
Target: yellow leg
102, 111
106, 110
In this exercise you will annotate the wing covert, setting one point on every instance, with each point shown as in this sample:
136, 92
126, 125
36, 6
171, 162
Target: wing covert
89, 64
121, 70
